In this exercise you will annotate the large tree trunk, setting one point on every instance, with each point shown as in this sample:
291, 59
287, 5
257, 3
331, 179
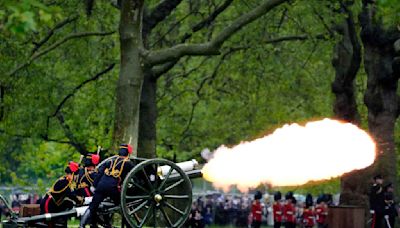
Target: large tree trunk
346, 61
382, 103
381, 96
130, 81
148, 117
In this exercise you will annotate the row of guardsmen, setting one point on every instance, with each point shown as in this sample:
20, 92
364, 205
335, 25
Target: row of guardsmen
84, 184
285, 212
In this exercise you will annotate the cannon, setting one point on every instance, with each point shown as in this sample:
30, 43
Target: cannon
155, 193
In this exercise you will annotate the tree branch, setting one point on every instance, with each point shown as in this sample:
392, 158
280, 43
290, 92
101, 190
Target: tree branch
172, 27
356, 56
206, 22
68, 132
160, 12
30, 137
77, 88
162, 69
54, 46
278, 40
201, 85
51, 33
321, 18
212, 47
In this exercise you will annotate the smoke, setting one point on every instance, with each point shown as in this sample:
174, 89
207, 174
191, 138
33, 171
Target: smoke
292, 155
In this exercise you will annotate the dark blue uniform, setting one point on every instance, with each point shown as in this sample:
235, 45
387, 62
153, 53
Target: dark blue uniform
84, 180
377, 205
108, 182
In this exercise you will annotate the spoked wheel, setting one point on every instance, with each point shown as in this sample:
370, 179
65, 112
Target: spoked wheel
154, 198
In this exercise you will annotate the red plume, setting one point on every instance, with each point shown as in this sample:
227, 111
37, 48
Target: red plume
73, 166
130, 148
95, 159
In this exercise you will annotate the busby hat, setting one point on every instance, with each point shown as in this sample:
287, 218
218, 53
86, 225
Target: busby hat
309, 200
258, 195
277, 196
289, 195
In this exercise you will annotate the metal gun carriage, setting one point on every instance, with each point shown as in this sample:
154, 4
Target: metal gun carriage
155, 193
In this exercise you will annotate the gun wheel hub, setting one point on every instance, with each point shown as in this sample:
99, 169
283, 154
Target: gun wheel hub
158, 198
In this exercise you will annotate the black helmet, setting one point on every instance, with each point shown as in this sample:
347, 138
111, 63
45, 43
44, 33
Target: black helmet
91, 159
125, 149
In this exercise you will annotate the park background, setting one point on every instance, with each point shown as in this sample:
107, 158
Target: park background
189, 75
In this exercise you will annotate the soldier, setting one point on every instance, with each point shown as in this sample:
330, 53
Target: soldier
308, 212
256, 210
108, 182
55, 199
289, 212
277, 210
58, 198
377, 202
390, 206
87, 175
321, 212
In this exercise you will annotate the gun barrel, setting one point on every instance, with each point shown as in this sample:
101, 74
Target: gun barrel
196, 173
186, 166
75, 212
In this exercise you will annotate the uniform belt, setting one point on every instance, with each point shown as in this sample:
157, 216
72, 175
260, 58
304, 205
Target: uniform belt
83, 185
57, 202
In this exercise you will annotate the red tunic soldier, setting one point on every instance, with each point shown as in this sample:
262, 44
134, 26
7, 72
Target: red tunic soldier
277, 209
289, 212
256, 210
321, 212
308, 213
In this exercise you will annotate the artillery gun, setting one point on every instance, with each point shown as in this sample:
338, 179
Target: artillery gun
155, 193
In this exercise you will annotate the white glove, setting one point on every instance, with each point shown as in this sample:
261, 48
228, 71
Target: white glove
372, 212
88, 200
81, 210
92, 189
386, 216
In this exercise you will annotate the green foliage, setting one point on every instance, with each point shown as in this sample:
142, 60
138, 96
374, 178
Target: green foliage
249, 92
389, 12
315, 188
21, 17
33, 94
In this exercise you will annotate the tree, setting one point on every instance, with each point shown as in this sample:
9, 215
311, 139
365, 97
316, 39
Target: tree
380, 97
135, 60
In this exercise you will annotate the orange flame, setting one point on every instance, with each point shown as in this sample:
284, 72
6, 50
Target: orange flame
292, 155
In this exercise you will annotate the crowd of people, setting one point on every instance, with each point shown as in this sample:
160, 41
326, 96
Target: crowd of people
287, 211
253, 211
